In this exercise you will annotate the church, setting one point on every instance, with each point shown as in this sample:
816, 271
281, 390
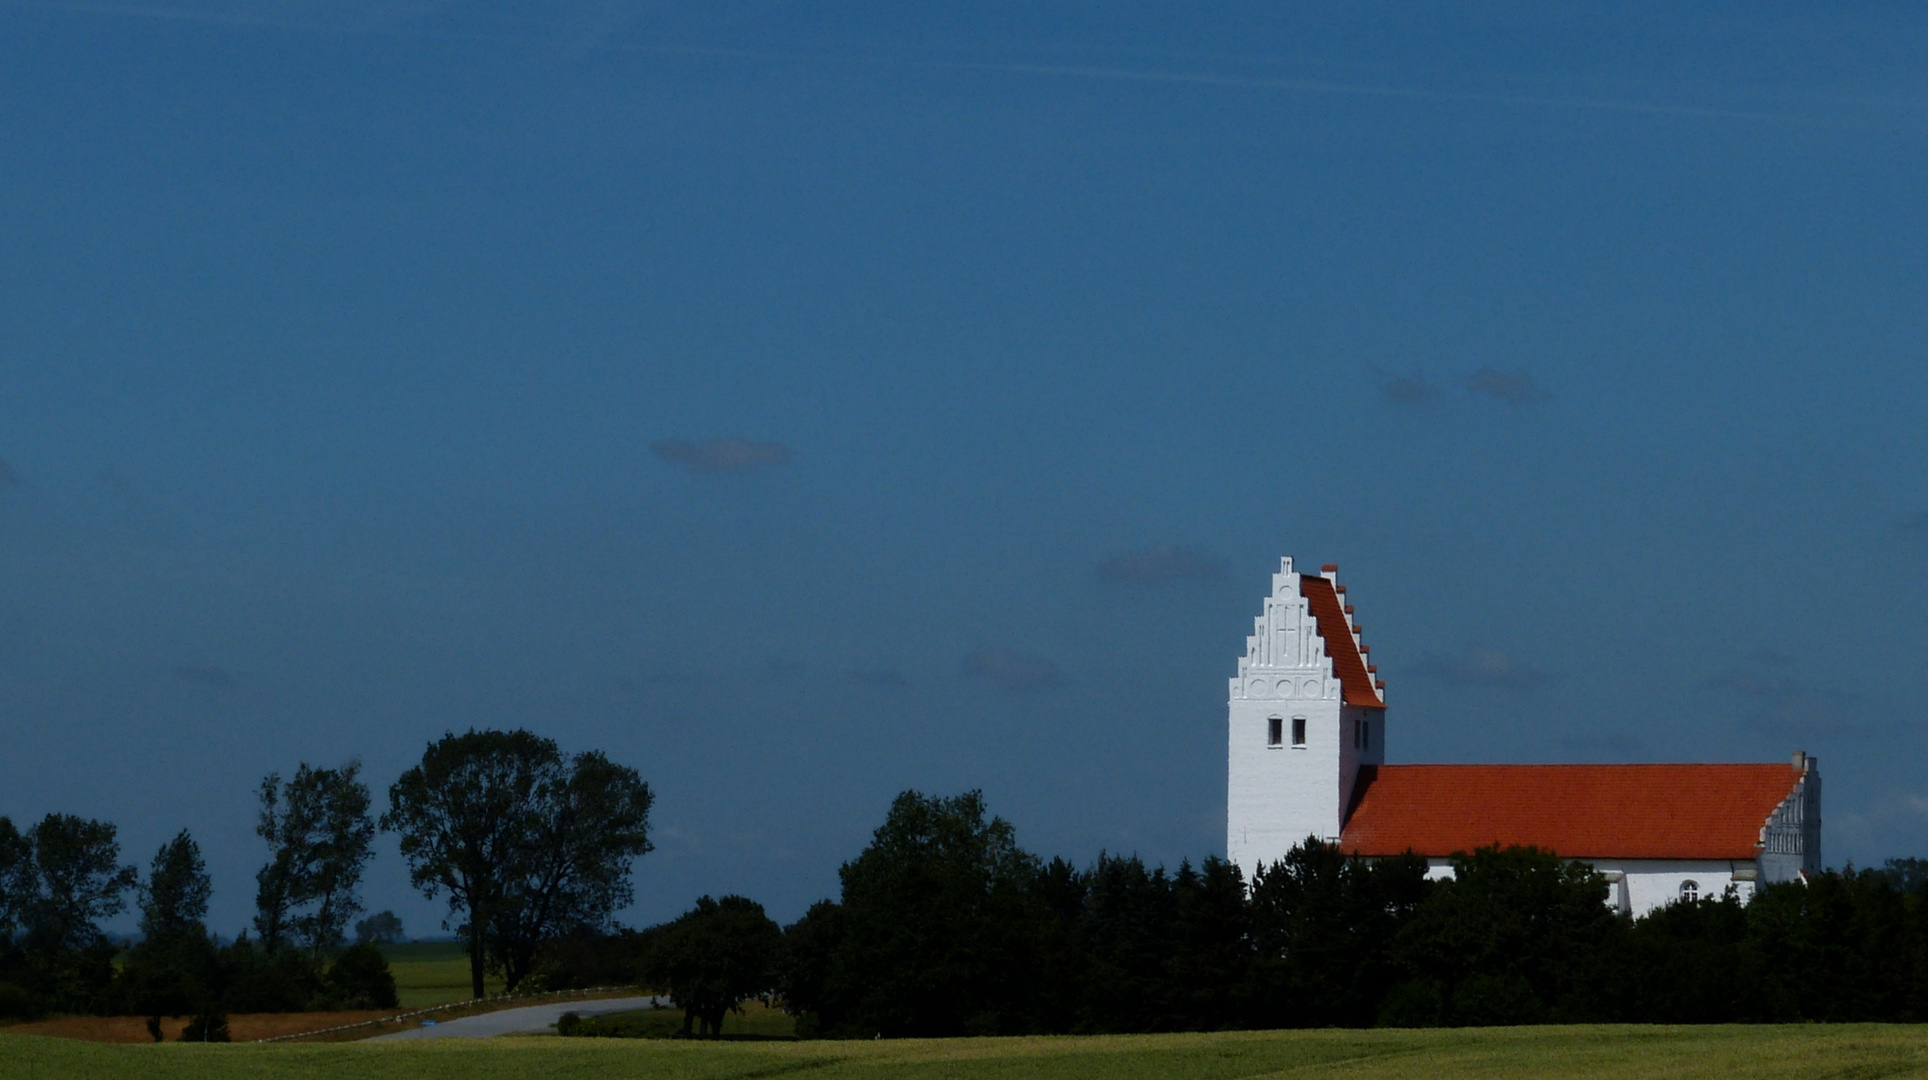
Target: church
1307, 757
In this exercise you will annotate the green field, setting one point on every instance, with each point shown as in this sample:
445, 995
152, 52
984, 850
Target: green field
431, 973
1608, 1053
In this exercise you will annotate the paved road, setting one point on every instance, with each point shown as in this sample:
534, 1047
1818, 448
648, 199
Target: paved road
529, 1018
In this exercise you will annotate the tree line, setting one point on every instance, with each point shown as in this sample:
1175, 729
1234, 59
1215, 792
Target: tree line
944, 926
524, 843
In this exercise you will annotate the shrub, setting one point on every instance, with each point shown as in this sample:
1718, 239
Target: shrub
360, 979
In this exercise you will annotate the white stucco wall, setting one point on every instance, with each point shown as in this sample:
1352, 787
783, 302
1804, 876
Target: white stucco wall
1638, 886
1277, 796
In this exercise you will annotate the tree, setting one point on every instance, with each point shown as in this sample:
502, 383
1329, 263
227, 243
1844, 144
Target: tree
1503, 941
526, 844
174, 967
381, 928
359, 979
319, 836
939, 928
175, 899
1324, 923
16, 860
712, 957
74, 880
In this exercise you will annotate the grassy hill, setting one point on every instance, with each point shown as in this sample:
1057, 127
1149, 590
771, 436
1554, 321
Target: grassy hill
1607, 1053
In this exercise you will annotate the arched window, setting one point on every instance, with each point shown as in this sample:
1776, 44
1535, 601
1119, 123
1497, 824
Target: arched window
1274, 731
1689, 891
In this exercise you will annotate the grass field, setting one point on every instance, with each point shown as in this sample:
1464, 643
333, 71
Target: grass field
1608, 1053
431, 973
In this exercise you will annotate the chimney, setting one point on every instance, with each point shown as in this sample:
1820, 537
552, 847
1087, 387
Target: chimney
1800, 761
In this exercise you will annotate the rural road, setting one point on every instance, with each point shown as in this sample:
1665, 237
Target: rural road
529, 1018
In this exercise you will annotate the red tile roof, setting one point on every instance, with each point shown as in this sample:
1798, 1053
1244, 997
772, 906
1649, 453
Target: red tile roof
1578, 811
1343, 649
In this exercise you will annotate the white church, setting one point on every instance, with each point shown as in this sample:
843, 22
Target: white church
1307, 757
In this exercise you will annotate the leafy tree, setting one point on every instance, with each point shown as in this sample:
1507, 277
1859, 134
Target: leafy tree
175, 898
712, 957
1502, 941
525, 843
16, 863
1908, 875
381, 928
74, 880
319, 836
174, 969
803, 973
939, 926
1323, 923
359, 979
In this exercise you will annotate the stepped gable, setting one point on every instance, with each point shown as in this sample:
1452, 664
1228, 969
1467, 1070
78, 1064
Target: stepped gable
1574, 811
1341, 641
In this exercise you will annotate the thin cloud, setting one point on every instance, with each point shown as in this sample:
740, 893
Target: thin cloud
200, 675
1162, 562
1481, 667
886, 678
1512, 387
1777, 703
1407, 390
1014, 671
722, 455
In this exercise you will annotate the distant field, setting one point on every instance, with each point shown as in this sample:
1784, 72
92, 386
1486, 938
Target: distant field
432, 973
1606, 1053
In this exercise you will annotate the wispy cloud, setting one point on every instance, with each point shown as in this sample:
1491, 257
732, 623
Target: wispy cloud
1014, 671
1162, 562
202, 675
1512, 387
722, 455
1407, 390
1482, 667
1777, 702
887, 678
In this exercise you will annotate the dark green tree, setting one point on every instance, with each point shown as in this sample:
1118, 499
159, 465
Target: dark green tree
803, 973
359, 979
16, 864
940, 927
74, 880
381, 928
524, 843
174, 969
174, 899
319, 837
712, 957
1323, 925
1503, 940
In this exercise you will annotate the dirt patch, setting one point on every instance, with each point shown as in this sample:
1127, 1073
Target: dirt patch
243, 1028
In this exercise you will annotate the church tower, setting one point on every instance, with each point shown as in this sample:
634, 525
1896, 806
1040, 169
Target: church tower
1305, 713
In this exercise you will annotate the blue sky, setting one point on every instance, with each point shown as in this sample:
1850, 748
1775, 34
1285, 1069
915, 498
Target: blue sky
802, 404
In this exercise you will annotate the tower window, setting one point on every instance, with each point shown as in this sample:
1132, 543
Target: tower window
1355, 734
1273, 735
1689, 891
1365, 734
1298, 731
